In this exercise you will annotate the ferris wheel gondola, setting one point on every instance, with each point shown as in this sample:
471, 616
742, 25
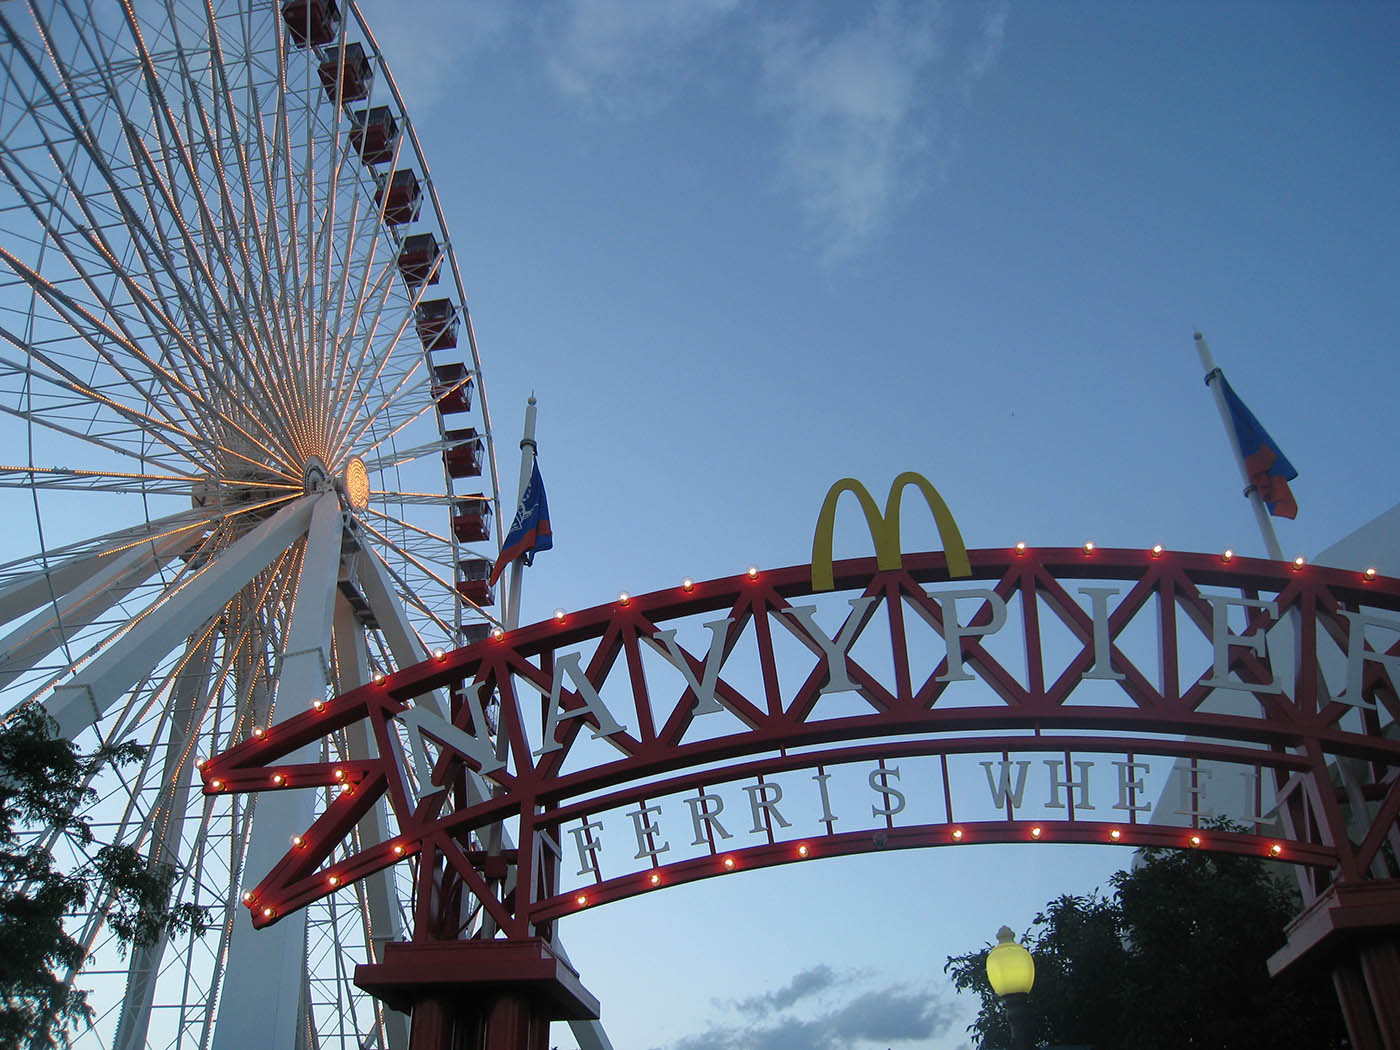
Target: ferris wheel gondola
249, 459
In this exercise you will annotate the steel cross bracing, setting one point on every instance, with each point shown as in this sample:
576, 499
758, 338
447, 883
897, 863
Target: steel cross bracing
616, 737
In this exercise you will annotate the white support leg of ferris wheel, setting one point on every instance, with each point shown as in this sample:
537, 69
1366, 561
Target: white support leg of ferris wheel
386, 925
378, 590
261, 1003
79, 703
187, 697
111, 580
33, 589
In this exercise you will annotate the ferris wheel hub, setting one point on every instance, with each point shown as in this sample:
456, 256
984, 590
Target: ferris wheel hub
355, 481
314, 476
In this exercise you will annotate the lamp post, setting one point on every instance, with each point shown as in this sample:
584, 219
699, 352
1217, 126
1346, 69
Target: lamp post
1011, 971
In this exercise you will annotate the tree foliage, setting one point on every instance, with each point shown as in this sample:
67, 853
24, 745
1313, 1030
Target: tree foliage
44, 784
1175, 958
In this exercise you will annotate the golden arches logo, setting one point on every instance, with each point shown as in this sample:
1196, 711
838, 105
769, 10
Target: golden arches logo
884, 528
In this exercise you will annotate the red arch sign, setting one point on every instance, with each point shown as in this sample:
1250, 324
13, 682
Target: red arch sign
588, 741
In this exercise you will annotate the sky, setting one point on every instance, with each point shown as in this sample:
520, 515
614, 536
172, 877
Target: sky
738, 251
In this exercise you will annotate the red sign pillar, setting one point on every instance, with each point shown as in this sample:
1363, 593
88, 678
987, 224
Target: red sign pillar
1354, 930
478, 995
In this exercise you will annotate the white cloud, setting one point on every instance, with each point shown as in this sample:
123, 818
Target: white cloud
803, 984
856, 111
986, 49
883, 1017
625, 57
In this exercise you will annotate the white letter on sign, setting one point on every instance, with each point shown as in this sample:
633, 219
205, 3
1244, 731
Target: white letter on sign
1103, 665
764, 798
1128, 787
1069, 784
953, 633
592, 702
587, 850
419, 721
1357, 656
1001, 789
705, 702
703, 818
1223, 640
879, 780
835, 651
646, 831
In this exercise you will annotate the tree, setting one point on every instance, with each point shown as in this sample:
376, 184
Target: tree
44, 785
1174, 958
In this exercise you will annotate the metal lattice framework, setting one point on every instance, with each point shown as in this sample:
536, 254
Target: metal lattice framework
236, 395
1282, 671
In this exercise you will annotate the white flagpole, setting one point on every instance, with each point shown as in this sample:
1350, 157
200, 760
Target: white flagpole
1261, 512
588, 1034
527, 467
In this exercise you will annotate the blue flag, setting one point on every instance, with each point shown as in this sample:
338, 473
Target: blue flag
529, 532
1269, 469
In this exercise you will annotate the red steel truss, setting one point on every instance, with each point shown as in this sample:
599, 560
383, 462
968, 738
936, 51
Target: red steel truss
1331, 764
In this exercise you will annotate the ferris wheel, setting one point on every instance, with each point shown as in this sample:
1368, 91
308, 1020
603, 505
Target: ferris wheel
247, 460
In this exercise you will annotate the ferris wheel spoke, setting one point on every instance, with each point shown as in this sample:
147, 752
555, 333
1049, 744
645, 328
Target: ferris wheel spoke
400, 390
273, 242
438, 541
391, 434
339, 378
271, 307
361, 379
160, 195
168, 815
156, 428
137, 826
151, 313
409, 594
241, 279
367, 229
401, 548
76, 480
398, 457
320, 375
173, 386
346, 432
222, 329
88, 137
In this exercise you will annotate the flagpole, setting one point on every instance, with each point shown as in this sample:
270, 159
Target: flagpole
527, 466
1261, 512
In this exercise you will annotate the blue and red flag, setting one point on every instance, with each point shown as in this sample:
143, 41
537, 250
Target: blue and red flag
529, 532
1268, 468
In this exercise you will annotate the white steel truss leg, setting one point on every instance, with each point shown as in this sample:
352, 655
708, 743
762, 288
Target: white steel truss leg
378, 590
262, 999
34, 589
187, 698
112, 579
79, 703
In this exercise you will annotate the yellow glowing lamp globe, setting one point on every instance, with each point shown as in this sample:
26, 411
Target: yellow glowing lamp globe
1010, 967
357, 483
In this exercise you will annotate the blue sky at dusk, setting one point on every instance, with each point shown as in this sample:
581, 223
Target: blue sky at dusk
741, 250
